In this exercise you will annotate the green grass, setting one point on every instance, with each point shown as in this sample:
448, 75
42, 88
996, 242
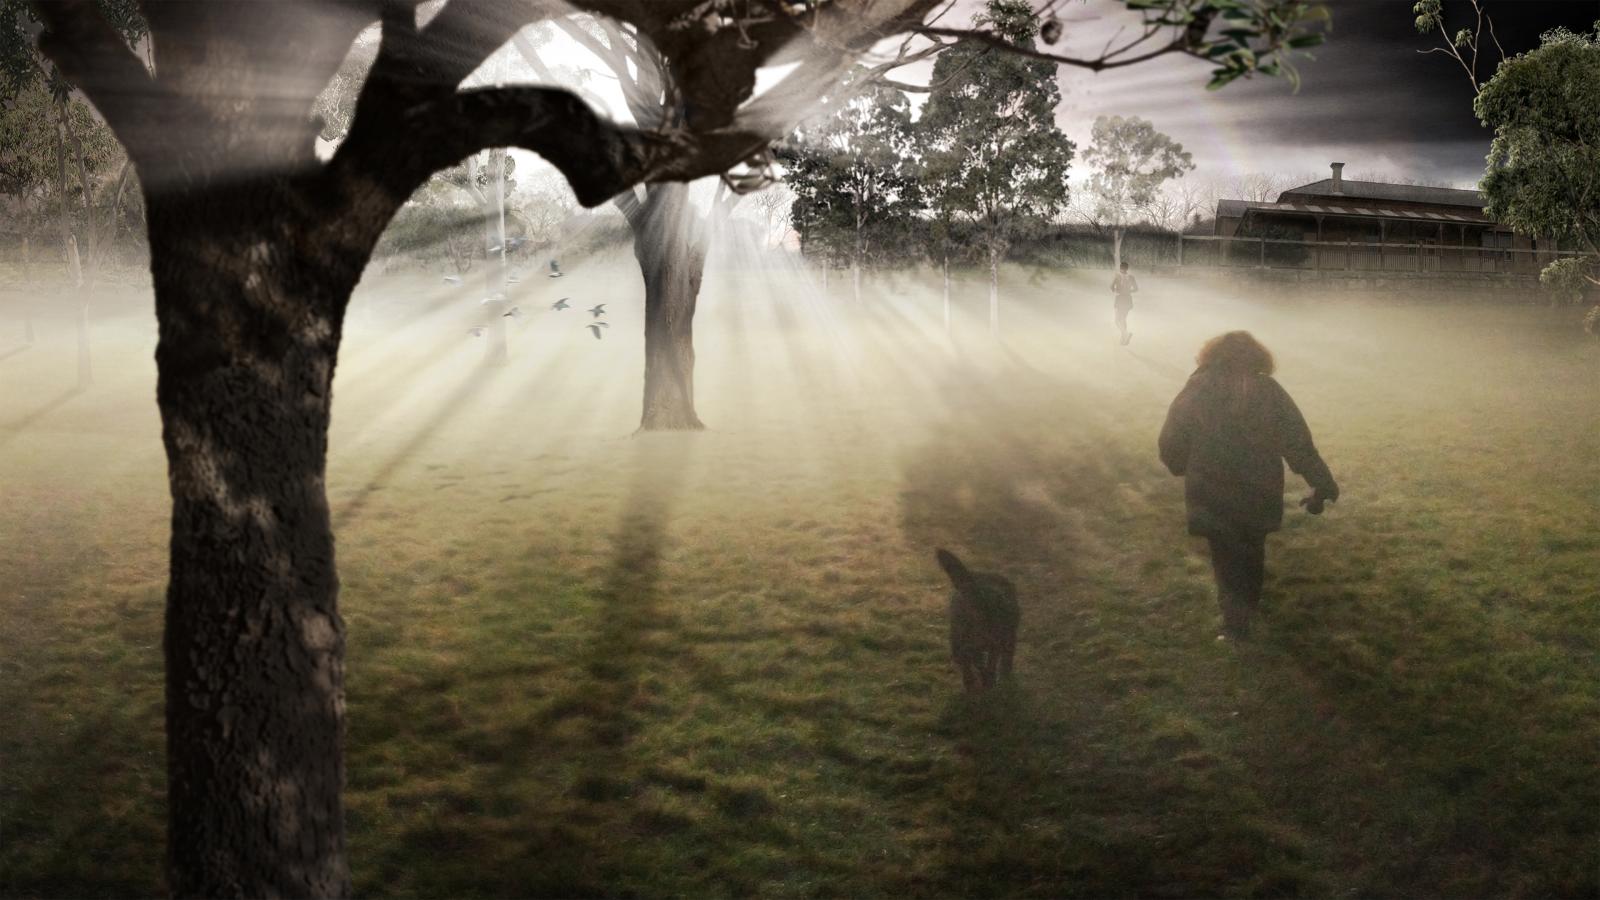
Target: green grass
715, 664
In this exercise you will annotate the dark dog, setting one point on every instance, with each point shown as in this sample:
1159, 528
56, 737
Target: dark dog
983, 622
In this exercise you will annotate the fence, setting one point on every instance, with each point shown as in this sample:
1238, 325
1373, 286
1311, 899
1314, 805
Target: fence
1209, 251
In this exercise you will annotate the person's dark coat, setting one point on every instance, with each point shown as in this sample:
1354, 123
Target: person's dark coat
1228, 435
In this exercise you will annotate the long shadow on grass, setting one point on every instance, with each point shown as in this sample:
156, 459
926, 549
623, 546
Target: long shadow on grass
536, 796
1070, 782
560, 792
10, 430
991, 486
447, 410
1473, 719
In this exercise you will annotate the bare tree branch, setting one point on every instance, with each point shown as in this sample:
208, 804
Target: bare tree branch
1096, 64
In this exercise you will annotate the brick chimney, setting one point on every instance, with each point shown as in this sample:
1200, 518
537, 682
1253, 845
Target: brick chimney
1338, 178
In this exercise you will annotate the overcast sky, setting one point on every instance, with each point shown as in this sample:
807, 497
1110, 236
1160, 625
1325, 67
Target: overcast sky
1369, 99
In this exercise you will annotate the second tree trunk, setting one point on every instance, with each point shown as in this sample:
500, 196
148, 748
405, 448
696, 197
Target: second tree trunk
669, 242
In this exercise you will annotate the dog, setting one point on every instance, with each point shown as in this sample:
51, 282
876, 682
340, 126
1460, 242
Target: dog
984, 615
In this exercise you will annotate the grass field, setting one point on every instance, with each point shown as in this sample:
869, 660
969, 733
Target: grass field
586, 663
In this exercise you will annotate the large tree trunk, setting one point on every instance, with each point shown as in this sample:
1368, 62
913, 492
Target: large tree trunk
669, 242
1116, 249
254, 643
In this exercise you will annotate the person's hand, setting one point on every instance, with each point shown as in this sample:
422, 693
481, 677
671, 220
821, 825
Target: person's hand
1316, 502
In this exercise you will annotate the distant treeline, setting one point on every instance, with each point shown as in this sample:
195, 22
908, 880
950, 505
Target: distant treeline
451, 239
1050, 245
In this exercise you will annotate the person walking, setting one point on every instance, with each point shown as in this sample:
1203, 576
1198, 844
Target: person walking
1228, 434
1124, 286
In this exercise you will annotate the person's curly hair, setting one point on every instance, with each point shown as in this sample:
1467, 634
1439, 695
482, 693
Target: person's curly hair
1236, 353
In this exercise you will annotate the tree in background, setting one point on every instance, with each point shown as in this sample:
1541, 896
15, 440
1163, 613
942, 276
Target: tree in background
994, 154
1132, 160
79, 142
946, 236
670, 236
1178, 207
1543, 169
774, 203
91, 172
542, 205
853, 175
1543, 173
817, 217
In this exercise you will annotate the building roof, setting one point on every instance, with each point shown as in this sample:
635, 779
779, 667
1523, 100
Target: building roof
1234, 208
1402, 193
1464, 217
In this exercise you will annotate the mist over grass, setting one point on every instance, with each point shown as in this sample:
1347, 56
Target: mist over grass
583, 662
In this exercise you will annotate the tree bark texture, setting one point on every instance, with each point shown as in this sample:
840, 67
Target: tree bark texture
250, 323
669, 242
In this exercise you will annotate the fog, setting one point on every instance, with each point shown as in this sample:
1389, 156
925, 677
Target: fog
564, 633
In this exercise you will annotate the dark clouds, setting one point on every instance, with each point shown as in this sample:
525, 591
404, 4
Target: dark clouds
1370, 98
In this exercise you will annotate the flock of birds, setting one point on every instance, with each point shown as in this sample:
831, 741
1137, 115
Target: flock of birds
596, 312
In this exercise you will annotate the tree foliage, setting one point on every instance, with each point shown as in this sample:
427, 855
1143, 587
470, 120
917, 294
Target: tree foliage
1543, 174
1131, 161
1543, 170
993, 154
56, 154
853, 176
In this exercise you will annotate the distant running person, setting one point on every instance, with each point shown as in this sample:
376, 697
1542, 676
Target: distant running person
1124, 286
1228, 434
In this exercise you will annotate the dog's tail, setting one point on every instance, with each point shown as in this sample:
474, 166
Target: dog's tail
959, 574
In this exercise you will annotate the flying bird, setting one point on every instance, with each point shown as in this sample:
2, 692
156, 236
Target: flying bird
596, 328
452, 279
598, 310
514, 313
477, 332
560, 304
